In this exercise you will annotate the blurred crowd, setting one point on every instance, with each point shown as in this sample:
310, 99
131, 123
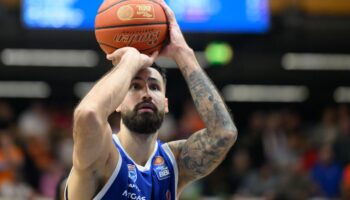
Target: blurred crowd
278, 154
35, 150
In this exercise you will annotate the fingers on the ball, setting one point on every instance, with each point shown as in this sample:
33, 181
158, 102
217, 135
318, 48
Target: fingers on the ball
154, 55
117, 53
109, 57
169, 12
114, 54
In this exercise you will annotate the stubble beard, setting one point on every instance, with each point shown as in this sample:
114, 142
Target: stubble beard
143, 123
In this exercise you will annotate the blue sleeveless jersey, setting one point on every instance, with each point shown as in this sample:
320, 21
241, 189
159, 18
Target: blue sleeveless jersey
157, 180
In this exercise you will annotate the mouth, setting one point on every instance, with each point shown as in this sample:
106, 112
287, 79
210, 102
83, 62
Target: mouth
146, 107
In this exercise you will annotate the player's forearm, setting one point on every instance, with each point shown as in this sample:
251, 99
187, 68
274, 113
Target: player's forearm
91, 133
207, 99
108, 93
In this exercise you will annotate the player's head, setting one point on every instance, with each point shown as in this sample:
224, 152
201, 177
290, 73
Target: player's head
144, 106
161, 71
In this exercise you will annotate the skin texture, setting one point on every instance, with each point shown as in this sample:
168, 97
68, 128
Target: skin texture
204, 150
130, 82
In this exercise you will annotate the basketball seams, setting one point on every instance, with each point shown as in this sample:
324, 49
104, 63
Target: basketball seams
127, 25
106, 26
114, 47
145, 51
107, 45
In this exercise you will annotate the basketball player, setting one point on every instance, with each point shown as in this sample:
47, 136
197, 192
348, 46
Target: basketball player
133, 164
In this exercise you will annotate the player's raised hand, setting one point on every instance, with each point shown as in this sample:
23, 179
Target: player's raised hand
133, 56
177, 41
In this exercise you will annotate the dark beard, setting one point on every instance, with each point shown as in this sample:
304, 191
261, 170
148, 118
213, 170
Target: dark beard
144, 123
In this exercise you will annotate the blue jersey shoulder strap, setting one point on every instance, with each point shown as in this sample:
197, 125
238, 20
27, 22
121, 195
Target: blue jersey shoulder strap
156, 180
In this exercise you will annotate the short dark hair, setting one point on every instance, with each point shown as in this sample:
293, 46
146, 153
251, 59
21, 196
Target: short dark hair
161, 70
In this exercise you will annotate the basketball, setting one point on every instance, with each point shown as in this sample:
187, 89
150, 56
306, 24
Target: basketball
141, 24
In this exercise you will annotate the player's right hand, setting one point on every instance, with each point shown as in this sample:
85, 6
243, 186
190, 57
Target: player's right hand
133, 57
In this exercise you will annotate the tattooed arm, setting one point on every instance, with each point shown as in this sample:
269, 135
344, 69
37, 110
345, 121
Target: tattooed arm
204, 150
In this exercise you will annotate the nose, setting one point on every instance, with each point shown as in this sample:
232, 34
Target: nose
146, 95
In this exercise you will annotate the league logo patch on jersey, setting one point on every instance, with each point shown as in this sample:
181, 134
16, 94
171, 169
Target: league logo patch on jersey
162, 171
132, 172
159, 160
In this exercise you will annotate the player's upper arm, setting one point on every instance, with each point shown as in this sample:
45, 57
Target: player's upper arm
92, 138
176, 147
199, 155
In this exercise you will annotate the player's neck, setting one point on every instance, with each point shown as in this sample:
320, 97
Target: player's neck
139, 146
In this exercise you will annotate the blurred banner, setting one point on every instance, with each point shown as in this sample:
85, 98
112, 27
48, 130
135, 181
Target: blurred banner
240, 16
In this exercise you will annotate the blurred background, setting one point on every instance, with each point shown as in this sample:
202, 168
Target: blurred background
282, 66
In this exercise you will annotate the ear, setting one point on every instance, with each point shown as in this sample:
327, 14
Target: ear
166, 108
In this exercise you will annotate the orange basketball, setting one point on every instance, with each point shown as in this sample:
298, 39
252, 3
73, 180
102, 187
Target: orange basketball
141, 24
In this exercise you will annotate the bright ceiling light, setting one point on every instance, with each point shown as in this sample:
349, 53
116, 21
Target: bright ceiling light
82, 88
264, 93
49, 58
342, 95
24, 89
310, 61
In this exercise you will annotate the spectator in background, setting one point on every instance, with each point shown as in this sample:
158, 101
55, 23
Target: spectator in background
251, 139
61, 135
34, 127
275, 142
168, 130
11, 162
11, 158
346, 183
327, 173
240, 167
190, 121
297, 144
262, 182
47, 150
342, 143
6, 115
50, 178
327, 130
296, 183
242, 170
291, 121
35, 122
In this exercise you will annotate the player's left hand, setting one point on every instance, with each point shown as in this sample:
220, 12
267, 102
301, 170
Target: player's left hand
177, 42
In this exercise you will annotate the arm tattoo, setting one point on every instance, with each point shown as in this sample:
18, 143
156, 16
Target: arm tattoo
203, 153
205, 150
208, 101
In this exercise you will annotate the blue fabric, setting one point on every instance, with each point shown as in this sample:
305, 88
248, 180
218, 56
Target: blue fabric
157, 183
328, 177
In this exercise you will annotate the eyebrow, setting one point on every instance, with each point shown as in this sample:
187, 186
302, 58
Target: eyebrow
149, 79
